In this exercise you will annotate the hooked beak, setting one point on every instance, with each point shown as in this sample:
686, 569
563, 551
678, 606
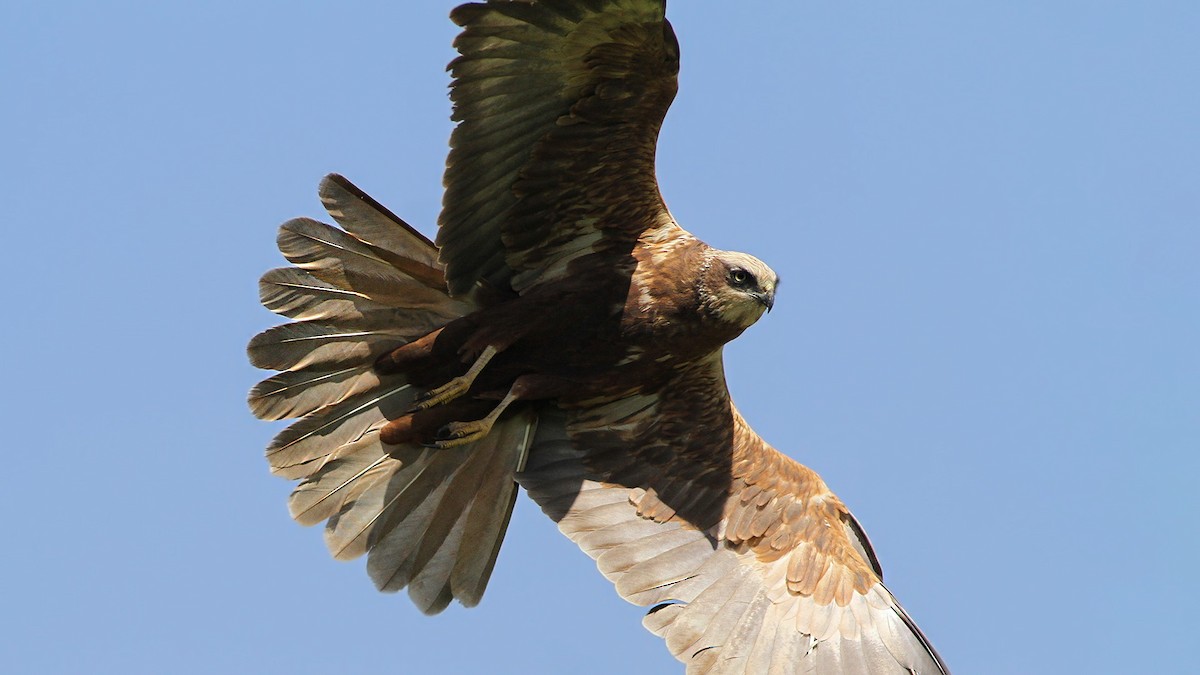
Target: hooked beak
767, 299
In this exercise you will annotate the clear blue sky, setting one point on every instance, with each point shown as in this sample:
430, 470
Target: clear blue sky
987, 220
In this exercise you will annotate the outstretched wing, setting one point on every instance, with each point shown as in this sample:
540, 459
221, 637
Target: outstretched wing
749, 563
559, 105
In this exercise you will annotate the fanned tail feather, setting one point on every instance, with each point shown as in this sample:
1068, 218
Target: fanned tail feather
293, 394
429, 520
443, 525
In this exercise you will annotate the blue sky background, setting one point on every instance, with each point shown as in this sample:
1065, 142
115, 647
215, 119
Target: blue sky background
987, 219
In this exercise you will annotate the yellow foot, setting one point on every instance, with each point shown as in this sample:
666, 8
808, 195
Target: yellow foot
460, 433
455, 434
456, 387
444, 394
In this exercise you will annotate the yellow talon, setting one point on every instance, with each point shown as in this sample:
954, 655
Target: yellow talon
455, 434
456, 387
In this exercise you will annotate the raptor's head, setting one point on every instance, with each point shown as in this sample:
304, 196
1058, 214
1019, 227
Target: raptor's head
736, 287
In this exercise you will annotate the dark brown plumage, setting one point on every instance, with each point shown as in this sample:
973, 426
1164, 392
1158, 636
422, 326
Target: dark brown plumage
565, 332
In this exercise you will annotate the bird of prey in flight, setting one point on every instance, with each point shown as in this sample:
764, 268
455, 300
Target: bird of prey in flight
564, 334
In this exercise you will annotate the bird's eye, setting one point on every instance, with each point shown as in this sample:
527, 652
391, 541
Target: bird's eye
739, 277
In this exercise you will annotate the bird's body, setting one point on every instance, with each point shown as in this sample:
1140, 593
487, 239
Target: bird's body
601, 333
566, 333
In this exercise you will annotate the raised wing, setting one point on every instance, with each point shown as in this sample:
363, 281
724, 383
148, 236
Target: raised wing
559, 106
748, 562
